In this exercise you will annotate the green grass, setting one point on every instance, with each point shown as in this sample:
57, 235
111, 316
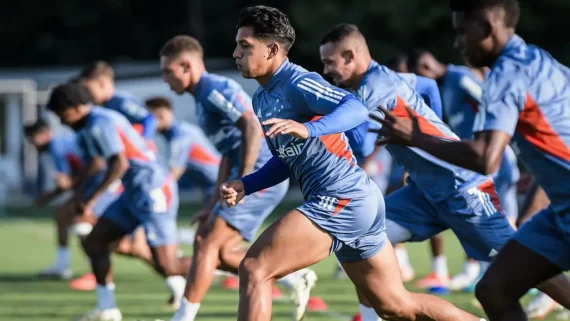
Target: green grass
27, 245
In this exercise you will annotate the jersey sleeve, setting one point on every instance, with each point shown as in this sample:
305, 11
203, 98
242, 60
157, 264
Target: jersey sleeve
179, 151
504, 96
133, 111
59, 159
227, 104
104, 140
428, 90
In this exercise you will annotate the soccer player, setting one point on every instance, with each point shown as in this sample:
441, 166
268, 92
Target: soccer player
304, 119
149, 198
526, 100
226, 116
189, 152
98, 77
461, 90
438, 195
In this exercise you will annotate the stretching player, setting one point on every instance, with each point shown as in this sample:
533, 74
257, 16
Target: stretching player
225, 114
526, 99
98, 77
461, 90
149, 197
438, 195
304, 119
189, 152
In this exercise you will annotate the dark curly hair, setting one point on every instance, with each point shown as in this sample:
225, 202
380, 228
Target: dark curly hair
469, 7
66, 96
268, 24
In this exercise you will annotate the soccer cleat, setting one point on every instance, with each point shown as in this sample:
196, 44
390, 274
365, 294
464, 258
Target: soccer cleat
102, 315
432, 280
461, 281
56, 272
540, 306
87, 282
301, 293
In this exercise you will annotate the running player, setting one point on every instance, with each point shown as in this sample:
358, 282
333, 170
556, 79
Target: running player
438, 195
526, 99
149, 197
461, 90
98, 77
304, 119
225, 114
189, 152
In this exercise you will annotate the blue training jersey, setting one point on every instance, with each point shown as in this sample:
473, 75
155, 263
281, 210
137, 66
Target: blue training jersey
527, 95
189, 147
435, 178
108, 133
128, 106
65, 154
324, 165
220, 103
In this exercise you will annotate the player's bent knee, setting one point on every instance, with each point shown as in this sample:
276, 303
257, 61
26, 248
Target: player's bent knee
252, 270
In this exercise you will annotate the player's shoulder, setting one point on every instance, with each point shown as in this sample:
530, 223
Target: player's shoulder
219, 83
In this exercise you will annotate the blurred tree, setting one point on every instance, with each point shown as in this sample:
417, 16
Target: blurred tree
63, 32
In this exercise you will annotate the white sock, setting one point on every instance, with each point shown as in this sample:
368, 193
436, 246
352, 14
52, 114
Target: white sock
440, 266
402, 255
82, 229
62, 257
176, 285
291, 279
106, 296
472, 268
187, 311
368, 314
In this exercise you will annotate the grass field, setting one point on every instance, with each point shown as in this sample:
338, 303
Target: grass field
27, 245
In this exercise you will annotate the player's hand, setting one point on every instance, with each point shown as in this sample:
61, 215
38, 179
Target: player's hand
201, 217
62, 181
232, 192
286, 127
85, 208
397, 129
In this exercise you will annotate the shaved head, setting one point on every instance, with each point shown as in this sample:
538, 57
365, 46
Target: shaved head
345, 54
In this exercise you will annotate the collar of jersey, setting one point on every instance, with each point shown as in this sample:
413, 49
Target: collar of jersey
275, 79
514, 42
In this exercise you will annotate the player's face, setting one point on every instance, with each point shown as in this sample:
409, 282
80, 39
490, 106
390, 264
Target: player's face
251, 54
73, 116
338, 68
40, 140
473, 42
426, 66
163, 117
101, 89
175, 72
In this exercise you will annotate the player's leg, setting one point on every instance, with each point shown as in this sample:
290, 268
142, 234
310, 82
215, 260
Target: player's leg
377, 277
439, 276
540, 246
280, 250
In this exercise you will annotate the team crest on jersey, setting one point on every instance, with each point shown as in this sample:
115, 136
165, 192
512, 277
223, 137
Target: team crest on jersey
290, 151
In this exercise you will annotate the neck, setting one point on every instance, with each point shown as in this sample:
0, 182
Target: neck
359, 72
196, 74
264, 79
82, 122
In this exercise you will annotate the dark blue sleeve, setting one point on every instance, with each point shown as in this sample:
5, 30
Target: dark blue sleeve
149, 124
271, 174
349, 114
427, 88
356, 138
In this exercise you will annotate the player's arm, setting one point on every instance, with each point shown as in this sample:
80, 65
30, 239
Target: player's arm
243, 118
493, 127
137, 114
108, 145
427, 88
270, 174
179, 151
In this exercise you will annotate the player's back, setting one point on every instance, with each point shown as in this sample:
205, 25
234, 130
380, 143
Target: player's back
437, 179
459, 106
107, 133
65, 153
220, 103
322, 165
528, 78
128, 106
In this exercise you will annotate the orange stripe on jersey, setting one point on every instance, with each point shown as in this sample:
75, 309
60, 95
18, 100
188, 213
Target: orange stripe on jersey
334, 144
340, 205
132, 151
534, 127
167, 190
202, 155
139, 128
425, 125
488, 187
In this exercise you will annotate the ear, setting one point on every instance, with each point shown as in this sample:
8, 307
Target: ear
348, 56
274, 49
